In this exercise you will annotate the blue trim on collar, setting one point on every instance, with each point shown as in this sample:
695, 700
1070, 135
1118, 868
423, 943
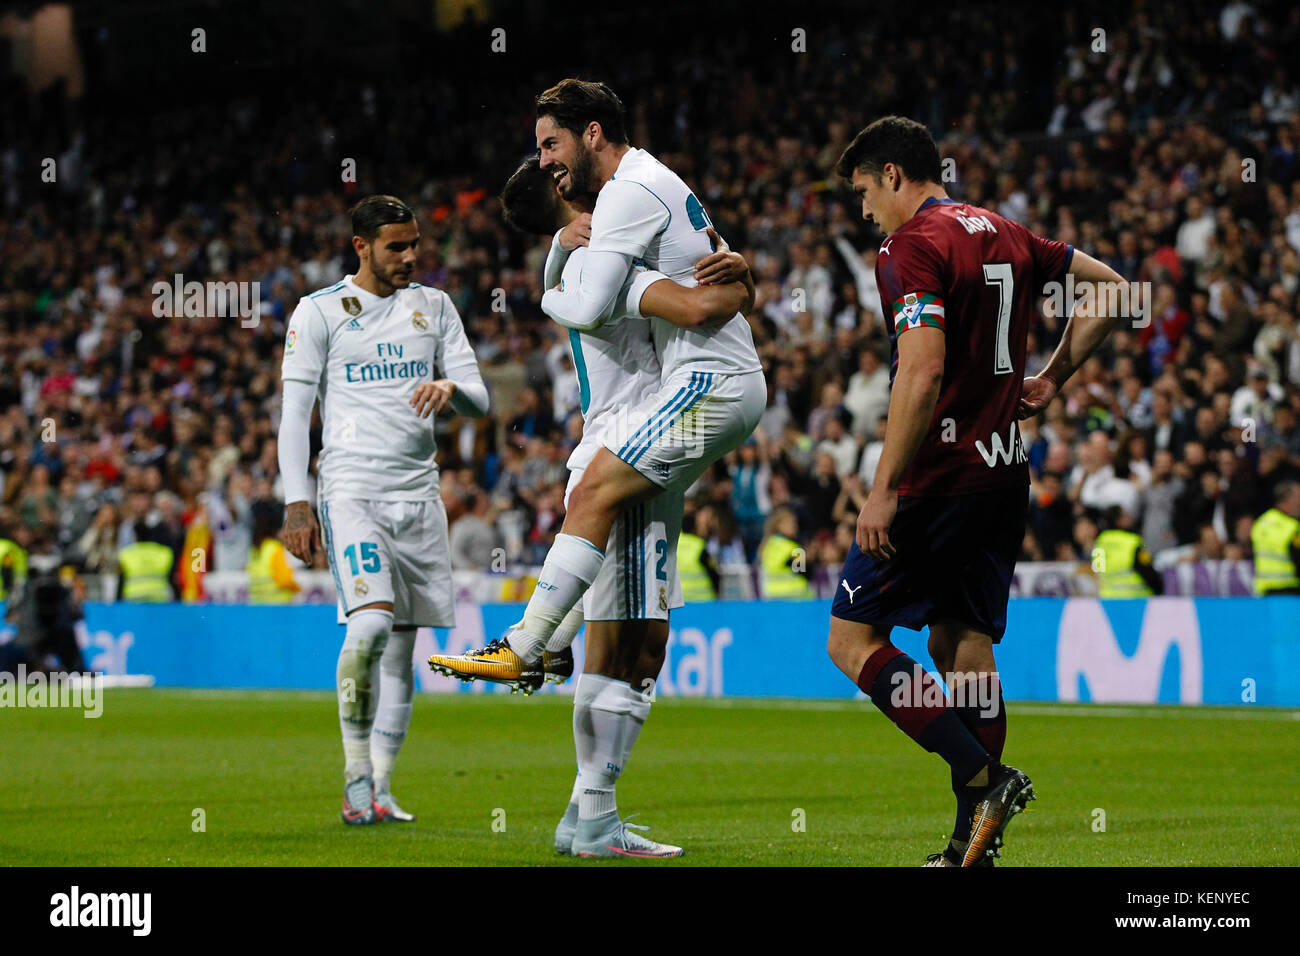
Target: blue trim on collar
938, 202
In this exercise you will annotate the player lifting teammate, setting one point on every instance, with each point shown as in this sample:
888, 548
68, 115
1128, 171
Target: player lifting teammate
627, 608
712, 391
938, 537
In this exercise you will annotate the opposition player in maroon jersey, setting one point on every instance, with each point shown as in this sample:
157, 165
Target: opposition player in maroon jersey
938, 537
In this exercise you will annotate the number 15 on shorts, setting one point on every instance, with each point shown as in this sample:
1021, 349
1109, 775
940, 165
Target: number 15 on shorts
369, 557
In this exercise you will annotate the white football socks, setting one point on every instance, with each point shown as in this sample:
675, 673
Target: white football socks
358, 677
608, 716
600, 723
567, 631
571, 565
393, 715
638, 710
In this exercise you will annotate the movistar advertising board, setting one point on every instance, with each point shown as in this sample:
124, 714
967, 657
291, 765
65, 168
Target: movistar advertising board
1164, 650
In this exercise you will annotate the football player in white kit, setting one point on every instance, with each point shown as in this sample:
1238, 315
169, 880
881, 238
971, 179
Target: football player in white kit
371, 347
627, 608
712, 390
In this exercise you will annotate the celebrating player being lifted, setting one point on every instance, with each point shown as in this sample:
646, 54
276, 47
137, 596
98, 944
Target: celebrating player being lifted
712, 390
369, 346
627, 607
938, 536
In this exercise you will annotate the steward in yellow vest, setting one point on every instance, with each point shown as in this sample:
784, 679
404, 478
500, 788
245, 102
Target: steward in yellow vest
13, 566
270, 580
146, 571
697, 568
1275, 539
1122, 564
696, 583
777, 557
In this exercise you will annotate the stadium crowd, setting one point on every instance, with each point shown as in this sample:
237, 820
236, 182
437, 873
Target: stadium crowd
1172, 155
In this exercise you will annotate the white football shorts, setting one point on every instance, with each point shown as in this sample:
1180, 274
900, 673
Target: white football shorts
689, 423
395, 551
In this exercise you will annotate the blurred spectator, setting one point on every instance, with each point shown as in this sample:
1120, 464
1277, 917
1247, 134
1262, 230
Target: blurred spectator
97, 546
475, 540
867, 398
750, 481
1050, 516
231, 518
1159, 503
871, 455
839, 445
1099, 483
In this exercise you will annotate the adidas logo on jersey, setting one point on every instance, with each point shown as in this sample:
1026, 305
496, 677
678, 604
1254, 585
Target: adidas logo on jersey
354, 326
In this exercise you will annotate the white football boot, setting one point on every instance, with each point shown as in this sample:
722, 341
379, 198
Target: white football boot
609, 836
387, 810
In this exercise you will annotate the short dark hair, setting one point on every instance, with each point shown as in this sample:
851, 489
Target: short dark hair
893, 139
574, 104
267, 515
530, 201
1283, 490
374, 212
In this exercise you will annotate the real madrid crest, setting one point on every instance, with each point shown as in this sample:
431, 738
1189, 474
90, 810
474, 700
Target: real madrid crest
360, 588
419, 321
663, 598
351, 305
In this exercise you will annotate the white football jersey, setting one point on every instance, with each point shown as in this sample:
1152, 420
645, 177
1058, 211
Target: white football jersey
617, 367
647, 212
366, 355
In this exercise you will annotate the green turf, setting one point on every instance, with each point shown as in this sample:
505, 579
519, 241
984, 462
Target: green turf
1178, 786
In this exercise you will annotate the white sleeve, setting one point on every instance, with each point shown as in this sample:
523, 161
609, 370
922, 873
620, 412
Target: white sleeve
589, 288
555, 260
459, 364
626, 219
305, 345
294, 440
641, 280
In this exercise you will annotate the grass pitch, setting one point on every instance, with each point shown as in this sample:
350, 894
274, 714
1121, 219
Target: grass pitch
489, 775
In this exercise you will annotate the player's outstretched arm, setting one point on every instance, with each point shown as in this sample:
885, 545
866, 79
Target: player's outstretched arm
1085, 330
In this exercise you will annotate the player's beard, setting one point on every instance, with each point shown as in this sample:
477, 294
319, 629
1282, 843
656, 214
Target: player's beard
582, 175
393, 277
